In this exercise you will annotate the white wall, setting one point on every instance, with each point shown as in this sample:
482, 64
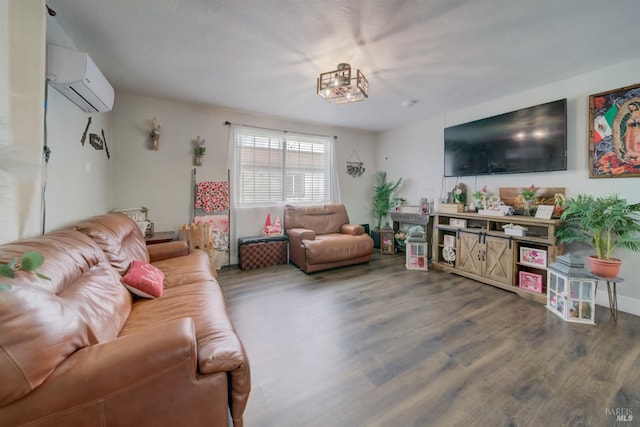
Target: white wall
78, 183
161, 180
416, 152
78, 177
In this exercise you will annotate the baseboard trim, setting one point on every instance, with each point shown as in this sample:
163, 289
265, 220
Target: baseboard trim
626, 304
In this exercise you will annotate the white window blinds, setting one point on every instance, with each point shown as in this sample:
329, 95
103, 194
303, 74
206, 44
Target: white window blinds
274, 167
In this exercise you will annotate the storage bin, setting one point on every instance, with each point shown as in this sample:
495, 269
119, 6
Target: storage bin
262, 251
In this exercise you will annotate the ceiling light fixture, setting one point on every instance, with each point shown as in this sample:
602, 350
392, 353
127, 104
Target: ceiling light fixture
338, 85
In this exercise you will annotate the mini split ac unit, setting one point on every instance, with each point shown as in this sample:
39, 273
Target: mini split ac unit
78, 78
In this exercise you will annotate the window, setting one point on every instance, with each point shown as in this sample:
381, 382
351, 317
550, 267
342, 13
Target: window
274, 167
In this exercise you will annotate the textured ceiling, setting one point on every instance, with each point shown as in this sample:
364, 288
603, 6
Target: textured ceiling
265, 56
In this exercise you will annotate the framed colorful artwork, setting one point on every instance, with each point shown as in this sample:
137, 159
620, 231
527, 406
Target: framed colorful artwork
614, 133
533, 257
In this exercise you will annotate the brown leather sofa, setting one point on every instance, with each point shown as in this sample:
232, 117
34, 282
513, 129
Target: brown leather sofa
79, 350
321, 237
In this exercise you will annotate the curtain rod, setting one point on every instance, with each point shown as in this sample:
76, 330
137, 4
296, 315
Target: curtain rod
228, 123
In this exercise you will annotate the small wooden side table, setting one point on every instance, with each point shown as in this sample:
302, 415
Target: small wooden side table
160, 237
613, 295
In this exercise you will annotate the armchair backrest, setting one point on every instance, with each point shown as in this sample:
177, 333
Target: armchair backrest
323, 219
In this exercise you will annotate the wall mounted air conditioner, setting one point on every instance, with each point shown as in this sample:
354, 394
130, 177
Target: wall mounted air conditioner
78, 78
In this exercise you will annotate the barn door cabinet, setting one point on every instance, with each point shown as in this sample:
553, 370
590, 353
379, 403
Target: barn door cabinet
487, 256
476, 246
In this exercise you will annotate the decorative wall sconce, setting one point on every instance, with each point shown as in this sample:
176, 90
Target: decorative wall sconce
198, 151
355, 167
154, 136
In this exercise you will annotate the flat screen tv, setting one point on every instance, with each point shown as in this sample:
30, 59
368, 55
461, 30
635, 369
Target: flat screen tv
533, 139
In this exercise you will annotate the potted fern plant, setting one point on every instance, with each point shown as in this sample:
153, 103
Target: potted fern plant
605, 223
381, 201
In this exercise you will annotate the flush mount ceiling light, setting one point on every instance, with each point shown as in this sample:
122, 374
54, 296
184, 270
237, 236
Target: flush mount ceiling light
338, 85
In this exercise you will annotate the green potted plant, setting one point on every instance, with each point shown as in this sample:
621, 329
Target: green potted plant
381, 201
527, 197
29, 262
605, 223
198, 151
479, 197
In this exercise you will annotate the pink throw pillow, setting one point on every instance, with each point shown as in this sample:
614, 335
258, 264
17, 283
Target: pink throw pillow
144, 280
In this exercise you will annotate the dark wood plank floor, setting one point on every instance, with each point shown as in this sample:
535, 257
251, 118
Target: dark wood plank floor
378, 345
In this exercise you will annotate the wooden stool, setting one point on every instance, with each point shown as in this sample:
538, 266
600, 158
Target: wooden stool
198, 236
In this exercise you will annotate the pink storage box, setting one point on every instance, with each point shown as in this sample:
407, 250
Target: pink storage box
531, 281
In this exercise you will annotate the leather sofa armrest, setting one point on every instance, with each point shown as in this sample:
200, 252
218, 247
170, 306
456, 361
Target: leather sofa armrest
103, 370
353, 229
300, 234
166, 250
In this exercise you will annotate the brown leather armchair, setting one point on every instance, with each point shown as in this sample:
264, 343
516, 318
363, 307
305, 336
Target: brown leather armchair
321, 237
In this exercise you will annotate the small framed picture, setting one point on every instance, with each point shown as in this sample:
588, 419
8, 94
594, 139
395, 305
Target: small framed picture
449, 240
458, 223
545, 211
533, 257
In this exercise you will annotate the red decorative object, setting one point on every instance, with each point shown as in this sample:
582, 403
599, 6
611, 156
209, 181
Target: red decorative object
274, 229
144, 280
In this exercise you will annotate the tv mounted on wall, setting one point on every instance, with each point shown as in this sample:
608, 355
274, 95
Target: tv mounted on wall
533, 139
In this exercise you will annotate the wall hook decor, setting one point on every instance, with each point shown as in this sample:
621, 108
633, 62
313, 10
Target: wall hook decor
198, 151
355, 167
154, 136
84, 134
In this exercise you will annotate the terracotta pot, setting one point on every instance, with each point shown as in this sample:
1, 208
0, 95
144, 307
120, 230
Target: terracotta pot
607, 268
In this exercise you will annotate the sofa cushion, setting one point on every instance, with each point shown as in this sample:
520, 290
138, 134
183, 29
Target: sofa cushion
219, 348
183, 270
44, 321
119, 237
144, 280
329, 248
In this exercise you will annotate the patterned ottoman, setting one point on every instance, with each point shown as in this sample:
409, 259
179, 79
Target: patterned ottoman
262, 251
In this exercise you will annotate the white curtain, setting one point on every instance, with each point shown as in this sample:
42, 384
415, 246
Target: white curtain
22, 69
9, 228
334, 190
